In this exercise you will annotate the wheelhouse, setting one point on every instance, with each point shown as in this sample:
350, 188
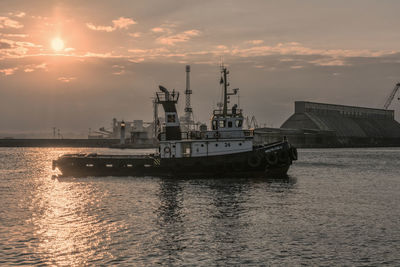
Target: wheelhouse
225, 137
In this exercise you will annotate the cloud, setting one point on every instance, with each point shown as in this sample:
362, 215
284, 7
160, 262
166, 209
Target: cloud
123, 23
329, 57
295, 48
18, 14
137, 60
66, 79
120, 23
100, 28
98, 55
33, 67
135, 34
292, 55
41, 66
255, 42
119, 70
14, 35
329, 62
166, 28
5, 45
296, 67
8, 71
6, 22
148, 53
25, 68
158, 29
178, 38
69, 49
11, 48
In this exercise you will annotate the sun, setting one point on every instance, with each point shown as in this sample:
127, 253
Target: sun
57, 44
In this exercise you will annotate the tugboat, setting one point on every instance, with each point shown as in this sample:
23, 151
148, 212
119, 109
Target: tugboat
227, 150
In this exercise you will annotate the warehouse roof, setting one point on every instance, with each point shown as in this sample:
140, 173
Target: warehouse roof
346, 121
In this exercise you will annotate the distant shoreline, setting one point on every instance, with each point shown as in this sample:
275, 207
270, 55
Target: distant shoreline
10, 142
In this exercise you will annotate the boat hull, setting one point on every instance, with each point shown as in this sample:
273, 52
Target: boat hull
268, 160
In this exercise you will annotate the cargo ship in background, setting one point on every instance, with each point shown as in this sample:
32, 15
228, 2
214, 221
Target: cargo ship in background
226, 150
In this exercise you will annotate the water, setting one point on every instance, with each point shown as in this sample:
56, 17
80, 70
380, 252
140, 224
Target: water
338, 207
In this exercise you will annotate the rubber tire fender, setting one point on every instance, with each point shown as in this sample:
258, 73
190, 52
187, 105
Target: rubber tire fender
254, 160
272, 158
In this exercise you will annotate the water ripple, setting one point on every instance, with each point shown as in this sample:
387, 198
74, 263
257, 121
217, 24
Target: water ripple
336, 207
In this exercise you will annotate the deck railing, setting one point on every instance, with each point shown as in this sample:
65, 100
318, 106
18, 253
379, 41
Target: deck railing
230, 112
163, 97
198, 135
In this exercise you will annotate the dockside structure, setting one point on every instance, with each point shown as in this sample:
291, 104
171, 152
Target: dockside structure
329, 125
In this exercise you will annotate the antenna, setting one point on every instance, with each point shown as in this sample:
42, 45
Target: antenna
225, 73
226, 94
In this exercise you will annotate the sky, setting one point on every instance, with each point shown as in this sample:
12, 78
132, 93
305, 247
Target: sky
76, 65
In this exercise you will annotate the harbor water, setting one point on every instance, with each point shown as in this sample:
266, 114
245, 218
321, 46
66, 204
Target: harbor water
337, 207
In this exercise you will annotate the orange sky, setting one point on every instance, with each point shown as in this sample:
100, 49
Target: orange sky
110, 56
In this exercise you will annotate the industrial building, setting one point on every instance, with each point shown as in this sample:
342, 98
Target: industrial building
136, 132
328, 125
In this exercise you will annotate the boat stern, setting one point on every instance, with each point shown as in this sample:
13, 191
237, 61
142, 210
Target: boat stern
276, 157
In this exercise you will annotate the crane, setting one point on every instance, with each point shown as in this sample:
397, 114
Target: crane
251, 123
391, 96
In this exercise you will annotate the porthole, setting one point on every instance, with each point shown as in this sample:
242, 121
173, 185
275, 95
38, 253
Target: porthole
240, 144
216, 144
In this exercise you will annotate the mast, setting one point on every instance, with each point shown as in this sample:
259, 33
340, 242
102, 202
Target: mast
234, 91
225, 73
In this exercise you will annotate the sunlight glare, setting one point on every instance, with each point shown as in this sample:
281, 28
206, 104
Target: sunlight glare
57, 44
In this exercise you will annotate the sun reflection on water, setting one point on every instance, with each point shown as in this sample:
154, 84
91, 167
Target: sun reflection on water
69, 222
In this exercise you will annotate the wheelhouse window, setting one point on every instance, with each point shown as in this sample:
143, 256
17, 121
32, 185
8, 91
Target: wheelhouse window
222, 124
230, 124
171, 118
214, 125
238, 123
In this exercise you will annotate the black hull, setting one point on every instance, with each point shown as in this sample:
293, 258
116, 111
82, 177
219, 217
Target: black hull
271, 160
